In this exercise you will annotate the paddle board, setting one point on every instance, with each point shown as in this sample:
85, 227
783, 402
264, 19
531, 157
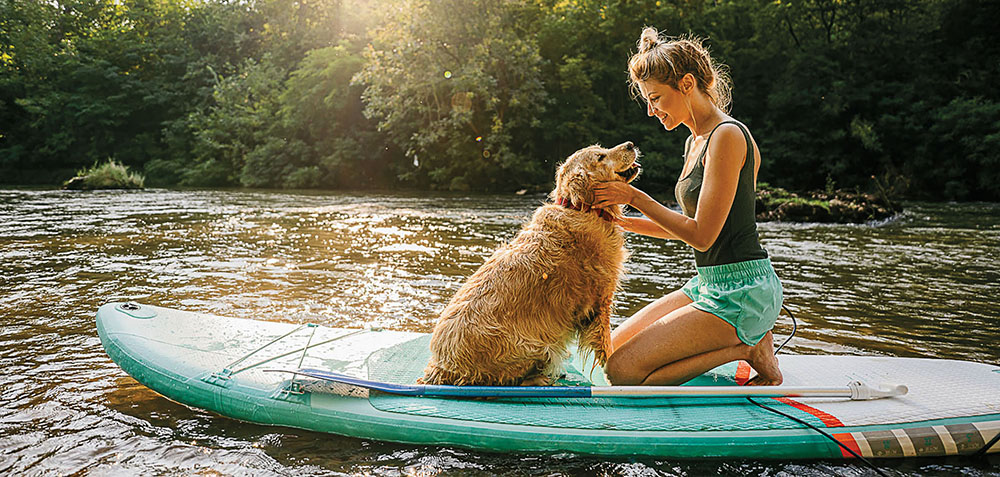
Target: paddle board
220, 364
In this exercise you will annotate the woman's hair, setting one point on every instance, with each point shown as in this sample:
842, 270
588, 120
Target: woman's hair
667, 60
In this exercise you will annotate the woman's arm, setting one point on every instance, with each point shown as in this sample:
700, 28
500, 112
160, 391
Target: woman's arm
726, 153
644, 226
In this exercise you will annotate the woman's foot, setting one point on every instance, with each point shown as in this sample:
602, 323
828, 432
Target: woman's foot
763, 360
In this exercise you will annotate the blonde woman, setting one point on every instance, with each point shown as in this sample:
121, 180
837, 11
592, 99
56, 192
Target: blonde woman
726, 312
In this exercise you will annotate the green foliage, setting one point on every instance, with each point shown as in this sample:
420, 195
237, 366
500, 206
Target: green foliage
490, 94
586, 45
228, 131
461, 98
967, 128
108, 175
322, 109
99, 78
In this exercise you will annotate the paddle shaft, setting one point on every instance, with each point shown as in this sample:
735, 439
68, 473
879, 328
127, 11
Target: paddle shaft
855, 390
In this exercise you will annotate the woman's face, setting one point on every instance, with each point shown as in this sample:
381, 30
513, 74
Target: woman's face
664, 102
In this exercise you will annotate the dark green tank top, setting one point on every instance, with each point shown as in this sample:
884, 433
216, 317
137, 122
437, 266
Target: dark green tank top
738, 240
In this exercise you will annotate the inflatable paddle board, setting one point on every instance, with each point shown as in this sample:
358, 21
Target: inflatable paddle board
293, 375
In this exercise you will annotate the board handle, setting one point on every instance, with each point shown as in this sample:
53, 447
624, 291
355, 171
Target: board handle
862, 392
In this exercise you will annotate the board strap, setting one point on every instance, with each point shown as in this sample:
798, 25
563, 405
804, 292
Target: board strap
856, 390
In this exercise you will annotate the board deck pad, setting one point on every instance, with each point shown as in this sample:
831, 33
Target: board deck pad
219, 364
405, 362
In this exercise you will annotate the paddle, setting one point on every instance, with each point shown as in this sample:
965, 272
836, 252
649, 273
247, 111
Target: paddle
856, 390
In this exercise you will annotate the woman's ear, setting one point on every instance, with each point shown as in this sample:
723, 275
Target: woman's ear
688, 83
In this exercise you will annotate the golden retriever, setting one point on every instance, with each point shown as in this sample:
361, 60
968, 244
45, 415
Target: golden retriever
512, 321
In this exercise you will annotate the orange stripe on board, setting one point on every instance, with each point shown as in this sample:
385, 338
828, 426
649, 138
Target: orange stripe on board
848, 440
828, 419
742, 373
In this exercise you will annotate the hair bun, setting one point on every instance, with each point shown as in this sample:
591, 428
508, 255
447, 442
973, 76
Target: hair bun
649, 39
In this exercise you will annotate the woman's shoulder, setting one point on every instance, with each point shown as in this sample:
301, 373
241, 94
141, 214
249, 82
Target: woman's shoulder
728, 140
728, 127
732, 124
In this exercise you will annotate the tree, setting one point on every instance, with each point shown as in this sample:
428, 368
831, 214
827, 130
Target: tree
322, 108
461, 98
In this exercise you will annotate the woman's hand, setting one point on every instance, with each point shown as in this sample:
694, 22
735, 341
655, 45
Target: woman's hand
611, 193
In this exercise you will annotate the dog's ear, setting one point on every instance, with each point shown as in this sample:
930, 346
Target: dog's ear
580, 188
560, 174
574, 183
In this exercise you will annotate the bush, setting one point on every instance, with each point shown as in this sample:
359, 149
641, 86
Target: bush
110, 175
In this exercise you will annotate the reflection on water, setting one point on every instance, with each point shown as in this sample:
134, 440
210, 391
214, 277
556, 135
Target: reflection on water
925, 284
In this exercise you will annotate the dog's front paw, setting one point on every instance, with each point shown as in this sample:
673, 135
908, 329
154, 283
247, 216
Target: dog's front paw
538, 380
432, 375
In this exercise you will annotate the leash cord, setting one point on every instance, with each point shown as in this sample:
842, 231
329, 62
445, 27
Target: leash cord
795, 328
824, 433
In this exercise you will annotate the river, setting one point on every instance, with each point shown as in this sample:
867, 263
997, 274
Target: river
925, 284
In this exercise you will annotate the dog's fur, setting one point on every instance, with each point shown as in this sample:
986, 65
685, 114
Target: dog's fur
512, 321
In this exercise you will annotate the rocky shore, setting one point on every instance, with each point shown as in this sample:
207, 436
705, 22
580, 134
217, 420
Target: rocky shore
777, 204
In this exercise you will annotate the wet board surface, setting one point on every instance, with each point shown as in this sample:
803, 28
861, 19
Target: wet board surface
218, 364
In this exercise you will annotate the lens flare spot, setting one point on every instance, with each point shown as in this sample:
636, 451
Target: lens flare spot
486, 153
447, 75
479, 139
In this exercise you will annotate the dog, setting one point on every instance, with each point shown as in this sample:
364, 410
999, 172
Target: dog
513, 320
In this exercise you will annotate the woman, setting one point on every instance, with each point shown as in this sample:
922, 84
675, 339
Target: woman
727, 310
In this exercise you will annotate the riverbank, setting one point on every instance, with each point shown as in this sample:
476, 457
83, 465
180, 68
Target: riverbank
836, 206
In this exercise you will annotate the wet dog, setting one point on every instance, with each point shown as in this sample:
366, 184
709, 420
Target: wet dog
513, 320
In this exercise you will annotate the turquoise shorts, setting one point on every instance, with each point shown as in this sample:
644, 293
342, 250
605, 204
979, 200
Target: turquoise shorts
746, 295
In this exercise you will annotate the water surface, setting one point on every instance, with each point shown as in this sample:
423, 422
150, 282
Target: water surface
926, 284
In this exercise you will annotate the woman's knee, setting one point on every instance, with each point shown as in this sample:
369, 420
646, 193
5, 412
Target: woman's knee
622, 372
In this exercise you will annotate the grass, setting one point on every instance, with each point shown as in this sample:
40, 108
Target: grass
109, 175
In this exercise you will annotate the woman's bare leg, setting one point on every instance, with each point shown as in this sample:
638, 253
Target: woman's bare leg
646, 316
683, 344
760, 357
